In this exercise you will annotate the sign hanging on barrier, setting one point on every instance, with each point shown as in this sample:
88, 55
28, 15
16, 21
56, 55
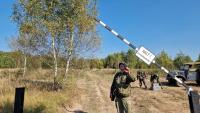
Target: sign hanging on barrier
145, 55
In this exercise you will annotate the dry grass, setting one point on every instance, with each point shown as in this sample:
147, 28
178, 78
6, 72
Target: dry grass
88, 91
38, 97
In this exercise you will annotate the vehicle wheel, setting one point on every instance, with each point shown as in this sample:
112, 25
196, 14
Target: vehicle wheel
172, 82
178, 84
198, 82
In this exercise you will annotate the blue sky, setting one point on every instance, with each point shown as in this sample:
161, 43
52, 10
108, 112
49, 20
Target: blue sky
170, 25
7, 27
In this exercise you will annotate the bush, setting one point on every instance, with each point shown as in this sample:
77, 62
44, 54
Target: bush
6, 62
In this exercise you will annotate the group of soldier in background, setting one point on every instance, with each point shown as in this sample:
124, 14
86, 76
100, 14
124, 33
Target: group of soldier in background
141, 76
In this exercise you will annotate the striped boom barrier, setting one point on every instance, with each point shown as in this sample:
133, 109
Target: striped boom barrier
142, 57
116, 34
148, 57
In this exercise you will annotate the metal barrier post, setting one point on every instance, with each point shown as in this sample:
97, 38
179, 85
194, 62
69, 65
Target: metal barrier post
194, 101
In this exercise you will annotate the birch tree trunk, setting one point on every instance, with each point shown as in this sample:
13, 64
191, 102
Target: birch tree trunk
55, 60
69, 54
25, 60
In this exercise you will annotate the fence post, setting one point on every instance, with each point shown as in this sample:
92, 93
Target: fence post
19, 100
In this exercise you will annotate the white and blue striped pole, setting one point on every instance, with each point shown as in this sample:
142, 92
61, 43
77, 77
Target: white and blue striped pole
142, 56
116, 34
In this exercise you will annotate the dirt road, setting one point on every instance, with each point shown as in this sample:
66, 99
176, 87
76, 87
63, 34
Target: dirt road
95, 86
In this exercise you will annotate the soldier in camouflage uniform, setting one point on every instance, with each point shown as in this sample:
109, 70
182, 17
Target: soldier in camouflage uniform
155, 79
121, 90
141, 76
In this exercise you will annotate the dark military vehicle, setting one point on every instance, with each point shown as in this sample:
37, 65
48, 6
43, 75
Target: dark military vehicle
187, 72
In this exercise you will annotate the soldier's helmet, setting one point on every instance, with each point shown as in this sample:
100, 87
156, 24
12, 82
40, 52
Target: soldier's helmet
122, 63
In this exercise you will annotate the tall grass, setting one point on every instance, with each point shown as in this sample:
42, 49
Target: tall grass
38, 97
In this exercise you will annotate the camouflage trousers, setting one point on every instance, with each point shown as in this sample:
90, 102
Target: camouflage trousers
123, 105
142, 81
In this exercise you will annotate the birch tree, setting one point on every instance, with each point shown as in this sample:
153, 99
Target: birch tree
68, 20
27, 41
80, 27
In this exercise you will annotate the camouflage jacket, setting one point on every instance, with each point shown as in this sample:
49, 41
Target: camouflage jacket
141, 75
127, 81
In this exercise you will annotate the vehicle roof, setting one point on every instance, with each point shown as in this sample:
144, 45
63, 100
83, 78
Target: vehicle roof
192, 63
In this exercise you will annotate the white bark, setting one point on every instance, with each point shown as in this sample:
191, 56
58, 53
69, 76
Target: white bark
69, 54
25, 60
55, 59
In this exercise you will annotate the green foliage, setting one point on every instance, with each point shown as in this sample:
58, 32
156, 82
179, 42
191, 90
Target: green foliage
33, 62
63, 25
96, 63
46, 62
6, 61
113, 60
131, 58
15, 60
79, 63
141, 64
164, 59
180, 59
198, 60
17, 56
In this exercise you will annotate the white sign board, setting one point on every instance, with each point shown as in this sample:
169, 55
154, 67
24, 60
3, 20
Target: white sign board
145, 55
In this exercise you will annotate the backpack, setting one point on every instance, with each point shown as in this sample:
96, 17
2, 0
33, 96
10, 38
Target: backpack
123, 89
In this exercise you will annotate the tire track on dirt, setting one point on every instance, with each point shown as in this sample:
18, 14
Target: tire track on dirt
95, 95
103, 90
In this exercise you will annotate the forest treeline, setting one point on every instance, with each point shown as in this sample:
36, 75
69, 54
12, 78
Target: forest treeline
56, 34
15, 60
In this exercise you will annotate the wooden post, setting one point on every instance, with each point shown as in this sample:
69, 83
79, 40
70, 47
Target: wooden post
19, 100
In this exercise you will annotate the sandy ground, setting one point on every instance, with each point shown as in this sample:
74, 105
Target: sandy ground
94, 98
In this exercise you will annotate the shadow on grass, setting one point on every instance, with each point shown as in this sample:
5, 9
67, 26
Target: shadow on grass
174, 85
73, 111
193, 84
38, 109
79, 111
7, 107
165, 84
76, 111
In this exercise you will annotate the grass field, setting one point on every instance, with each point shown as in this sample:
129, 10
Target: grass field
87, 91
39, 98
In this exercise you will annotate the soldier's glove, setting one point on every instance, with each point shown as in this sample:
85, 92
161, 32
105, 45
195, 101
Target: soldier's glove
112, 97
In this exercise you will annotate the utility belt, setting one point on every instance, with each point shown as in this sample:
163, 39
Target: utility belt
123, 92
141, 78
121, 96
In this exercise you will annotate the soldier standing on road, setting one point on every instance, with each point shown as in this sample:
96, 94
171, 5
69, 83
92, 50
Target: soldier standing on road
155, 79
141, 76
121, 89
